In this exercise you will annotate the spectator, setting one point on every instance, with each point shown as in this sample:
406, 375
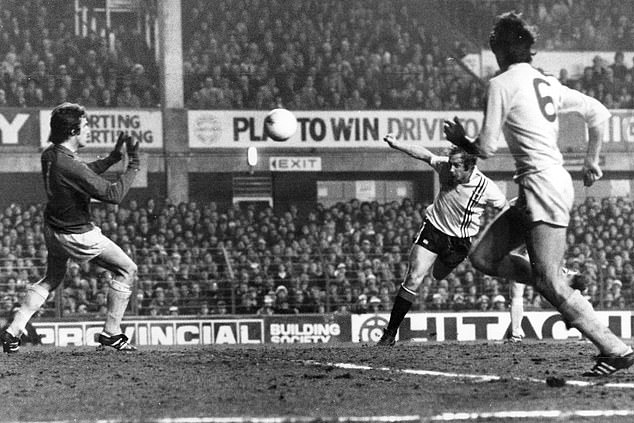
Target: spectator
128, 99
267, 307
375, 305
159, 303
483, 303
619, 69
221, 308
86, 98
499, 303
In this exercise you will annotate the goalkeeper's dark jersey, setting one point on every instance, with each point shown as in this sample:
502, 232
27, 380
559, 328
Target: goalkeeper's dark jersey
71, 183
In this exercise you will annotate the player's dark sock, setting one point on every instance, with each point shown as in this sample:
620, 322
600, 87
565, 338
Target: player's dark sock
402, 304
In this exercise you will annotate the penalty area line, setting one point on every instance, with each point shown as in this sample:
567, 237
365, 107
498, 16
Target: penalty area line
474, 377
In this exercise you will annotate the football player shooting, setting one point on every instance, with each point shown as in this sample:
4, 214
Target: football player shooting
451, 221
69, 233
523, 103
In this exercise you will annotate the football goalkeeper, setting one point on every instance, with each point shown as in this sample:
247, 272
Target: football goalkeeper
69, 233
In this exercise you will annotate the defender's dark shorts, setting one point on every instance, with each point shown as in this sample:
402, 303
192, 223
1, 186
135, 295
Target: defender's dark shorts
450, 249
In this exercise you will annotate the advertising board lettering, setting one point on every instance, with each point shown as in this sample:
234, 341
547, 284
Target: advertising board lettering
284, 333
144, 126
10, 129
338, 129
159, 332
472, 326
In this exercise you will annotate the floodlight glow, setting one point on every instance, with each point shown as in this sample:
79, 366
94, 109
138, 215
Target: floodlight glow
252, 156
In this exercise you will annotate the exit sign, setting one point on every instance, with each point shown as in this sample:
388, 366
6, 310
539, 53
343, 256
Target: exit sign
295, 164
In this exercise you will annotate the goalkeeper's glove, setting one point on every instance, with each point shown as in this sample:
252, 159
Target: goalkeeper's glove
117, 152
132, 148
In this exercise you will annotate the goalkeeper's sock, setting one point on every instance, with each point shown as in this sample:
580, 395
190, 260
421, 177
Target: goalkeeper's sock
118, 298
402, 304
578, 312
35, 298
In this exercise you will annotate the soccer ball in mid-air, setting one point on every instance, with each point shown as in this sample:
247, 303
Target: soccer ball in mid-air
280, 124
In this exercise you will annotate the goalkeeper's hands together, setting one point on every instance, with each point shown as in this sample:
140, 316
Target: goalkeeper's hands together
117, 151
132, 150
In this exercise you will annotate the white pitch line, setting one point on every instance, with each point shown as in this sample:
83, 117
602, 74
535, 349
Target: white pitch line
444, 417
535, 414
291, 419
254, 419
475, 377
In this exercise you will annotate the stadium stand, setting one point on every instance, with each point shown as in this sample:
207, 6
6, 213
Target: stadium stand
43, 62
318, 55
565, 25
308, 54
562, 24
367, 56
609, 83
332, 58
195, 259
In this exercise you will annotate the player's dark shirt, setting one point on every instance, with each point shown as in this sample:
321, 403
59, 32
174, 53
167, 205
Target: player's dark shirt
71, 183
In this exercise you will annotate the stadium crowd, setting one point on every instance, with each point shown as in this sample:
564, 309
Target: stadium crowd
376, 55
196, 259
305, 54
317, 55
43, 62
578, 25
592, 25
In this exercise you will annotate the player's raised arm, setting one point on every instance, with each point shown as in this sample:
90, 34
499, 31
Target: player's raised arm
100, 166
416, 151
485, 145
85, 180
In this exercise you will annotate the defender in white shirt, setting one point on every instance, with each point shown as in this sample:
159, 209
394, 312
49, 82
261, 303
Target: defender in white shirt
523, 103
451, 222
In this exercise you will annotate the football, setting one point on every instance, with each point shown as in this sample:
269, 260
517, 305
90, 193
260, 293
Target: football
280, 124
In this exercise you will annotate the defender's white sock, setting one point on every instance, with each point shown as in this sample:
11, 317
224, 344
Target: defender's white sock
118, 298
578, 312
517, 313
35, 298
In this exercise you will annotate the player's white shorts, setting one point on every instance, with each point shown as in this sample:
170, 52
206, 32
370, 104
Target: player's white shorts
547, 196
81, 247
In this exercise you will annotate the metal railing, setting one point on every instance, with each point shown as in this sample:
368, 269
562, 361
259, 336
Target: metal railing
231, 281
